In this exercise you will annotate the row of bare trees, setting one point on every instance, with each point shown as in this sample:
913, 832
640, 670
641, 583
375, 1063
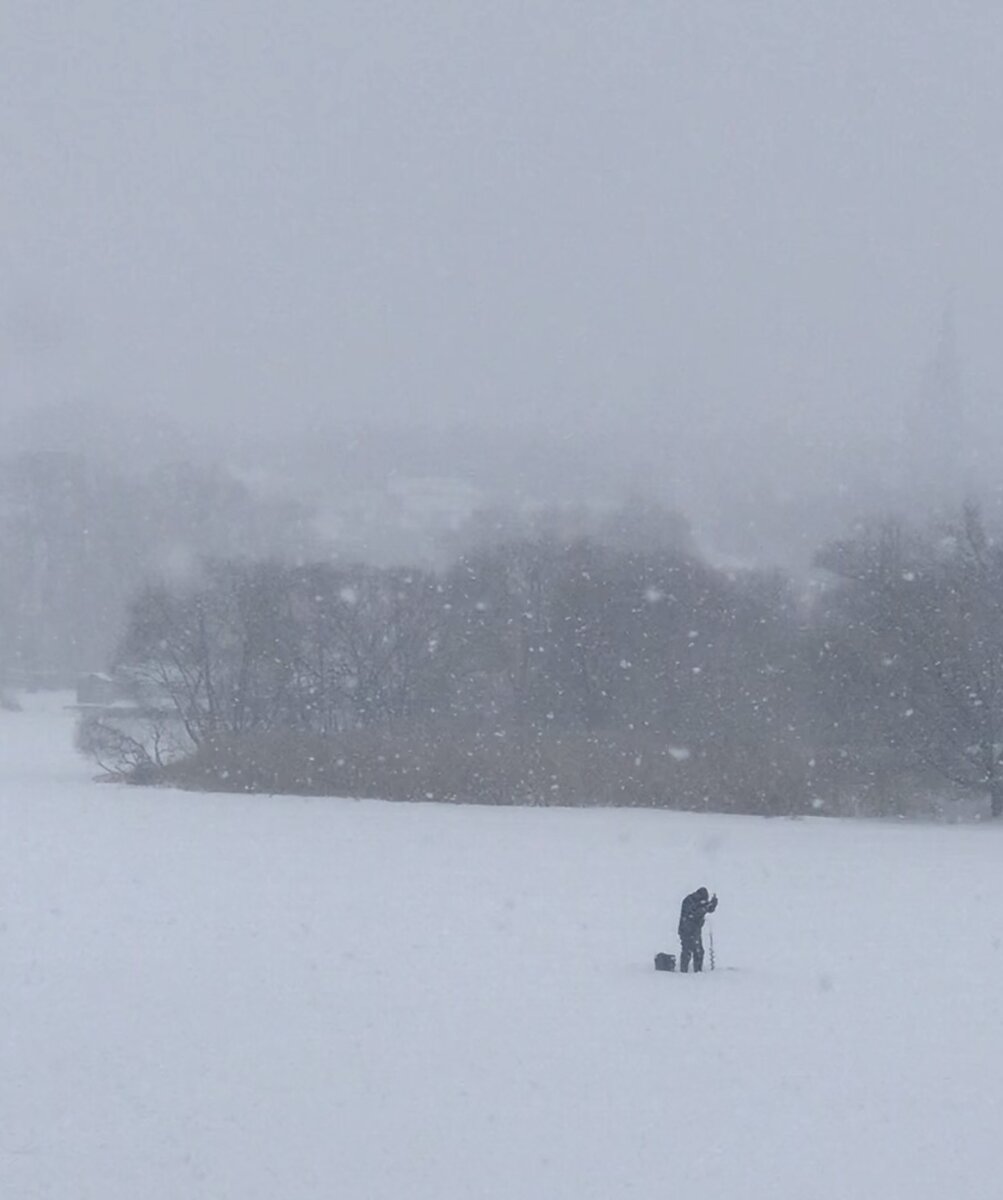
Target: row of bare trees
254, 647
912, 651
534, 641
746, 692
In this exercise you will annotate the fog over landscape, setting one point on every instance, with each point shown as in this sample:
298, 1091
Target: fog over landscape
499, 502
558, 252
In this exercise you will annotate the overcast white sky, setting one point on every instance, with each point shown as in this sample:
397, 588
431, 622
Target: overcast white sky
704, 215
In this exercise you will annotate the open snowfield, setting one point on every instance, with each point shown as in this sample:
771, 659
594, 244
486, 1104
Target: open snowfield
279, 999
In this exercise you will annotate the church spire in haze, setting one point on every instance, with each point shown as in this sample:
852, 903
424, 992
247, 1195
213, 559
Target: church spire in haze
937, 423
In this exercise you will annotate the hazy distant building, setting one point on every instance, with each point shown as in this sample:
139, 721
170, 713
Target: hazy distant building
936, 462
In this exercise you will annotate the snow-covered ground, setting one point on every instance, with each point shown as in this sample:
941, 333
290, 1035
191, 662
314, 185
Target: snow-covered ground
281, 999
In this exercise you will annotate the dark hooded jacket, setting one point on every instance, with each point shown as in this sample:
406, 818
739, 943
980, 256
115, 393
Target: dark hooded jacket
695, 907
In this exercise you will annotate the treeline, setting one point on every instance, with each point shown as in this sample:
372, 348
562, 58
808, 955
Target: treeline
542, 671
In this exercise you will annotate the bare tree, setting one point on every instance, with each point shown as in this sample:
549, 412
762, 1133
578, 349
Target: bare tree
218, 652
916, 640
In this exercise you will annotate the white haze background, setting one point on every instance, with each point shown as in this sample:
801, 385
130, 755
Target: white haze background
705, 249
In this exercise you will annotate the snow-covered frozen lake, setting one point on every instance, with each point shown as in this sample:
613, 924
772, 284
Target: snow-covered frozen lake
287, 999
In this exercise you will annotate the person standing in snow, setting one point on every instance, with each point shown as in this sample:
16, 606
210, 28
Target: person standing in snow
695, 907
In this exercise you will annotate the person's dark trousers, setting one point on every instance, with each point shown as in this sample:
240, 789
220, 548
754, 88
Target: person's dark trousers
691, 948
